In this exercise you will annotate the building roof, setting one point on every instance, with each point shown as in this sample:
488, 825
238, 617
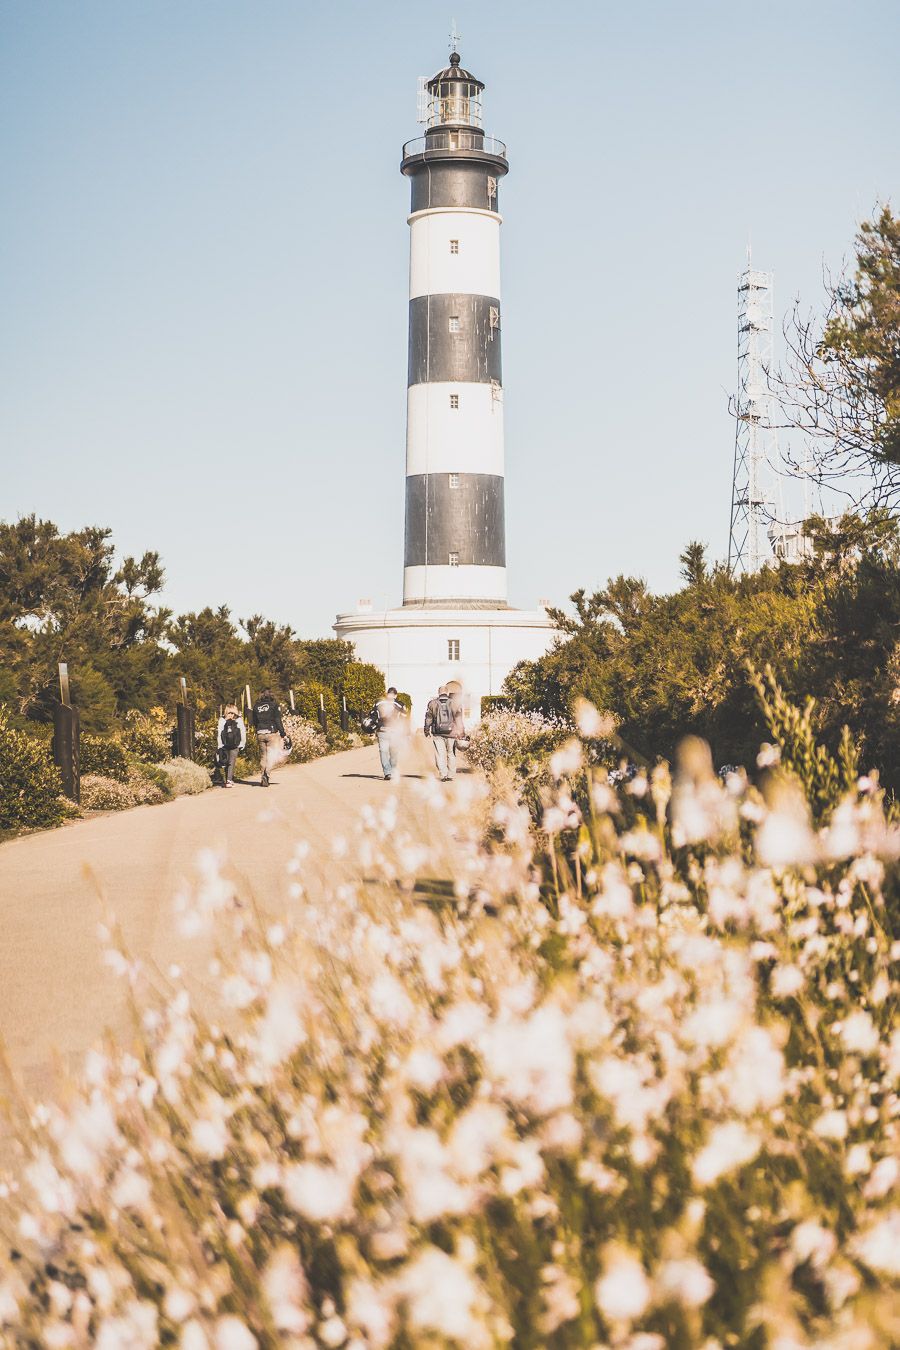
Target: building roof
453, 72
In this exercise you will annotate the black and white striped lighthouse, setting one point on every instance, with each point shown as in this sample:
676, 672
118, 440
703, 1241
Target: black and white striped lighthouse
455, 621
455, 552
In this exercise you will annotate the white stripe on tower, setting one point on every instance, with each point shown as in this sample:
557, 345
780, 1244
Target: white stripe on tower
455, 532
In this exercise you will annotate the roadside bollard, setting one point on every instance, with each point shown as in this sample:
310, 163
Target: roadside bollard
66, 738
323, 716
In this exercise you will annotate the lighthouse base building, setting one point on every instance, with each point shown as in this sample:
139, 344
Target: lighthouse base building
455, 623
420, 649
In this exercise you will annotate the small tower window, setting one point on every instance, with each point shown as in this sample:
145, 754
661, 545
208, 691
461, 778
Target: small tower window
454, 401
491, 188
494, 318
454, 323
454, 245
454, 480
453, 649
454, 560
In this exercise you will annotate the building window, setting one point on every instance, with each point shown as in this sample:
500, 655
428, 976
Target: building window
454, 560
454, 245
491, 188
454, 480
454, 401
453, 649
454, 323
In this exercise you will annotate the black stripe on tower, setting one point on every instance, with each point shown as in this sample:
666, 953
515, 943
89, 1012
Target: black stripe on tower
460, 185
454, 337
467, 520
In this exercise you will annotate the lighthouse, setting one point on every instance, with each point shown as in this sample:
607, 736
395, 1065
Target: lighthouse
455, 526
455, 622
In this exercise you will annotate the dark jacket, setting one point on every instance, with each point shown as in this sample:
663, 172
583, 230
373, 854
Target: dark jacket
266, 716
457, 728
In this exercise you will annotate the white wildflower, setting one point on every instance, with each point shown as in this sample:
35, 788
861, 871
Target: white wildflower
687, 1281
232, 1333
884, 1177
622, 1292
531, 1059
442, 1297
785, 838
879, 1246
285, 1287
370, 1309
787, 981
831, 1125
811, 1242
730, 1146
318, 1192
566, 760
859, 1033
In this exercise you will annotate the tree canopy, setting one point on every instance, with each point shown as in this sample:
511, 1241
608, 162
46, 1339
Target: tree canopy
670, 665
64, 597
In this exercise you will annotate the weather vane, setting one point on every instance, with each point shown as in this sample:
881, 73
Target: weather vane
454, 38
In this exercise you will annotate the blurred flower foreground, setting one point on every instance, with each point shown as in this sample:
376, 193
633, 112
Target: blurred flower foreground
617, 1073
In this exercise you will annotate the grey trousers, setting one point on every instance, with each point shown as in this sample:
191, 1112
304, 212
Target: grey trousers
269, 742
229, 768
445, 756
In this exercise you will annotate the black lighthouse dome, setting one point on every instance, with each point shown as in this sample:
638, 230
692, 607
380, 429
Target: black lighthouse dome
455, 96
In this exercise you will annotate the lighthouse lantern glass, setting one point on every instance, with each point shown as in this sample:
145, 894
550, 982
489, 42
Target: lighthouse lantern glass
455, 103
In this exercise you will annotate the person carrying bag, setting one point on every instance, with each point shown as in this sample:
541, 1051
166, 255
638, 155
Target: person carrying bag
231, 737
444, 726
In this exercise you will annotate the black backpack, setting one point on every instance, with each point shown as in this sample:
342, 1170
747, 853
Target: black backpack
443, 718
231, 735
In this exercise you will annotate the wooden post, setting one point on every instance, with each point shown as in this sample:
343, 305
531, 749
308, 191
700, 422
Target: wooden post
66, 738
345, 716
323, 716
293, 704
64, 684
184, 732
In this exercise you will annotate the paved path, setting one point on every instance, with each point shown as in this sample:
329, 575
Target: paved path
56, 996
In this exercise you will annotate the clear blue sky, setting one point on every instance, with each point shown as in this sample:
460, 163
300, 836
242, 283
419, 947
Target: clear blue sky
203, 257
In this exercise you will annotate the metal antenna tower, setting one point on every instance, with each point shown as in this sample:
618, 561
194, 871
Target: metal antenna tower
754, 438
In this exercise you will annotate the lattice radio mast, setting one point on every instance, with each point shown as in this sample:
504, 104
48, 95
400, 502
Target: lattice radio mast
754, 438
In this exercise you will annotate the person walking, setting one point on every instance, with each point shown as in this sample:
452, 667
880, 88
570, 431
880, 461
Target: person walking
389, 732
444, 725
231, 737
269, 728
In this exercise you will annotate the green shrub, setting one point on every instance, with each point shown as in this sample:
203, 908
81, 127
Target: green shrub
30, 787
101, 793
185, 777
105, 756
148, 735
307, 741
155, 776
363, 685
405, 700
307, 701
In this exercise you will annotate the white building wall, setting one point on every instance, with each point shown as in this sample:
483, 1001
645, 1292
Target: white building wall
470, 582
444, 439
473, 270
413, 650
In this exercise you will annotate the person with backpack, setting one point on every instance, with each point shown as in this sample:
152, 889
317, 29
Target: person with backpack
388, 715
231, 737
444, 725
269, 729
